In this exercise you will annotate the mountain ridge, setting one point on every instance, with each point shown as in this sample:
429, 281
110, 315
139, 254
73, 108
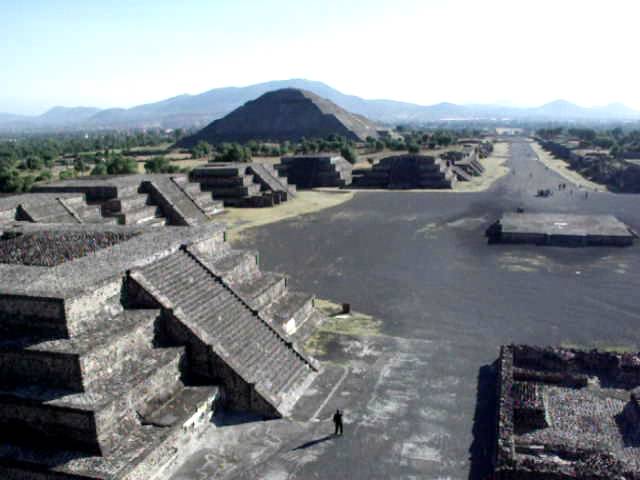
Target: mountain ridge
187, 110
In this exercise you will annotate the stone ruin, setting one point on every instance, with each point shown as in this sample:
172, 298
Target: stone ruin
408, 171
244, 184
466, 164
313, 171
560, 229
566, 413
117, 341
153, 200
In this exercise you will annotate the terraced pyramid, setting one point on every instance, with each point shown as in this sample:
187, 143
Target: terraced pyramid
287, 114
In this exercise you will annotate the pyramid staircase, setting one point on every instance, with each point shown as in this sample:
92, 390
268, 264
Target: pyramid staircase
228, 341
134, 205
271, 181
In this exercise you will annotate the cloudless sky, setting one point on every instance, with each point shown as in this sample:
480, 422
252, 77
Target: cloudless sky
120, 53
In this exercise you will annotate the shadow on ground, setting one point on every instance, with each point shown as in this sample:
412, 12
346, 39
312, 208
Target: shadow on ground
484, 424
224, 418
313, 442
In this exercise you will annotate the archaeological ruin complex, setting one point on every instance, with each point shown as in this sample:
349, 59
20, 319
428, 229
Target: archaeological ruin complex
127, 200
117, 340
567, 414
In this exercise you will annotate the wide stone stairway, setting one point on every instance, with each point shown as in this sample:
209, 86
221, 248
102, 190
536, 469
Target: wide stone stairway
247, 352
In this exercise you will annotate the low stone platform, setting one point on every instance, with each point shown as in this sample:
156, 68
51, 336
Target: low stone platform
117, 341
152, 199
565, 413
244, 184
314, 171
560, 229
408, 172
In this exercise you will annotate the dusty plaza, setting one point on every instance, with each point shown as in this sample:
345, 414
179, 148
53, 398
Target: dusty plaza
418, 387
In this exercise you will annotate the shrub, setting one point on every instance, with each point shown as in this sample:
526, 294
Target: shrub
349, 154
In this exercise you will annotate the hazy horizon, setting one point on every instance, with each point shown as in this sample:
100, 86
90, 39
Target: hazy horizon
124, 54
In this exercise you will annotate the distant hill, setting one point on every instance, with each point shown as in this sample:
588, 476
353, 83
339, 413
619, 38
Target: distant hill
285, 114
201, 109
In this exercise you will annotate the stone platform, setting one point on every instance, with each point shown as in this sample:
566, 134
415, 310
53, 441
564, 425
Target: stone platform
118, 340
408, 172
560, 229
244, 184
565, 413
152, 199
314, 171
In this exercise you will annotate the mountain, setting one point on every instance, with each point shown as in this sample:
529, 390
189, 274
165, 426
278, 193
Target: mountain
199, 110
285, 114
11, 118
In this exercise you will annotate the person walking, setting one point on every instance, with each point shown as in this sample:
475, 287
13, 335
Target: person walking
337, 421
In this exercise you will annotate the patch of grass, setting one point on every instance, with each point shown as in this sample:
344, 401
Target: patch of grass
239, 219
337, 324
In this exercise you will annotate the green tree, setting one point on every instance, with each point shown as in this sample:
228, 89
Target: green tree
79, 165
119, 165
349, 154
44, 176
100, 168
201, 149
413, 148
33, 162
160, 165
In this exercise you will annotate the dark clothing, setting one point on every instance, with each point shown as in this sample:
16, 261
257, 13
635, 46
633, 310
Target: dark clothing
337, 420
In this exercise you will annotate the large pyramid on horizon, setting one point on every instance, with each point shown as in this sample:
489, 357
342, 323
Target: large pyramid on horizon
287, 114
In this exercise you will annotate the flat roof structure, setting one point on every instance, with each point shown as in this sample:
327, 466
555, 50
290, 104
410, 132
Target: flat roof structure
560, 229
565, 413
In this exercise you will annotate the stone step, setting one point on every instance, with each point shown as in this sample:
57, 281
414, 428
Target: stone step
225, 320
176, 205
233, 192
290, 310
75, 363
90, 213
234, 265
219, 170
126, 204
51, 212
141, 215
259, 291
231, 181
156, 439
87, 419
308, 327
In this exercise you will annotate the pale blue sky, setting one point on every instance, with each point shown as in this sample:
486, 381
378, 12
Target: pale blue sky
122, 53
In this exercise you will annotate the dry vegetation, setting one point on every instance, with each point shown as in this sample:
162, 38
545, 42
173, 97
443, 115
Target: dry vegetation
239, 219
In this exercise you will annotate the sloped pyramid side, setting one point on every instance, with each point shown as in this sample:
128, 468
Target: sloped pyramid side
287, 114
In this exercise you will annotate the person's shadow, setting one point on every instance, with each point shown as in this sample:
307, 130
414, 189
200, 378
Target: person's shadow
311, 443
